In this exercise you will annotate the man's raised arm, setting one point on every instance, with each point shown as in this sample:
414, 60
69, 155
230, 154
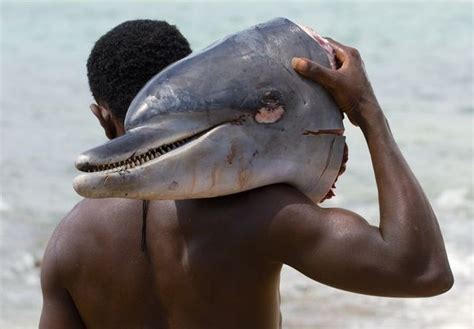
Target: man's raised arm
403, 257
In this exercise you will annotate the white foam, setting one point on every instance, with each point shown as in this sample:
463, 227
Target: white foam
452, 198
3, 205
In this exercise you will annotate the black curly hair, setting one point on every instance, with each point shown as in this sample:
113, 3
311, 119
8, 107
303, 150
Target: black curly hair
129, 55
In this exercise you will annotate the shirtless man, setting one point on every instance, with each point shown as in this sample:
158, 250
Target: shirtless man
215, 263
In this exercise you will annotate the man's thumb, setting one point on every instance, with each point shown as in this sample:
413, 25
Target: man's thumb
313, 71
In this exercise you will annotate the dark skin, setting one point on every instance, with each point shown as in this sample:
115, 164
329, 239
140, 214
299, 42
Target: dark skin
215, 263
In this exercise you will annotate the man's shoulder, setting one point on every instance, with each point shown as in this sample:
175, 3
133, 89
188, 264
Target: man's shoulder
90, 225
92, 217
278, 196
276, 206
278, 216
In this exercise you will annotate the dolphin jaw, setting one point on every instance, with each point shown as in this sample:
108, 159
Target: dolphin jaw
83, 162
84, 183
92, 162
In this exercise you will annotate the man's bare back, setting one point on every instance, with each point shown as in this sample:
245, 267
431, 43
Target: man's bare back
215, 263
209, 263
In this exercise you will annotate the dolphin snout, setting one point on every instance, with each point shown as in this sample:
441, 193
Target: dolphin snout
82, 162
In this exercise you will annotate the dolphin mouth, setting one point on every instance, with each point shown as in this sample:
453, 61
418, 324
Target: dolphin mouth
138, 159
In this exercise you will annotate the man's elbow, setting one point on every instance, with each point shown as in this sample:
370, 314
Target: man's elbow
436, 281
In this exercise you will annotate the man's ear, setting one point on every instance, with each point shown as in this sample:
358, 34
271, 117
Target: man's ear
106, 120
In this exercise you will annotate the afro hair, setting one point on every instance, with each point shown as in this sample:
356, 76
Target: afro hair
129, 55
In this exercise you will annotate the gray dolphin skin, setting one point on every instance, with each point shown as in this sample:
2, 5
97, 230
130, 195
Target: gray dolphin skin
232, 117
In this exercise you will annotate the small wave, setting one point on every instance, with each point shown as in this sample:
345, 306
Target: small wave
453, 199
3, 205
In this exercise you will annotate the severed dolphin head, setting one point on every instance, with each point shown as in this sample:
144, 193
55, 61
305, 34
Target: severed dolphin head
232, 117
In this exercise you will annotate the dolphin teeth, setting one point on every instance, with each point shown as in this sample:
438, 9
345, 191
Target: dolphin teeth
147, 158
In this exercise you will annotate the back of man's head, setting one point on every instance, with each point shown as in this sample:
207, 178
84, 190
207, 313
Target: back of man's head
126, 57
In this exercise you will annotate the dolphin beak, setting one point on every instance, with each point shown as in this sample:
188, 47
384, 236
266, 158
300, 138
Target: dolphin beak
115, 151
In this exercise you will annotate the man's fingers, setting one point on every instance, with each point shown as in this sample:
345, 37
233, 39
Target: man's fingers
339, 50
314, 71
341, 55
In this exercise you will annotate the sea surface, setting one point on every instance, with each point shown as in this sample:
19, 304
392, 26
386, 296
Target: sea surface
419, 56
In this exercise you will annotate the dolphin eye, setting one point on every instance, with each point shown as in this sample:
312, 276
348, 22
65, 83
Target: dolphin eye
272, 107
272, 98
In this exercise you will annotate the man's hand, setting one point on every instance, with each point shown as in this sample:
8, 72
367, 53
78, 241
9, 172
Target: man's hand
348, 85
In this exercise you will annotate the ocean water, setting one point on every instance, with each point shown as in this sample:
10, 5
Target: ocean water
419, 56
